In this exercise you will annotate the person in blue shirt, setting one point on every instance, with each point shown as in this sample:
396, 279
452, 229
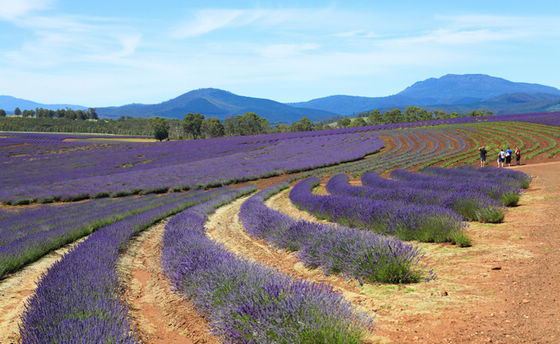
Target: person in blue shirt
509, 153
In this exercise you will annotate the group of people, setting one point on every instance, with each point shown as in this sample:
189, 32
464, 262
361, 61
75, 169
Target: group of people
504, 156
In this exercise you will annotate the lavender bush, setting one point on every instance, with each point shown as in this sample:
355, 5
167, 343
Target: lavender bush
367, 256
78, 300
473, 206
248, 303
28, 234
507, 194
496, 174
404, 220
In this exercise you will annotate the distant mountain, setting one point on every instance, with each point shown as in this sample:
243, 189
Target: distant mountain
460, 93
218, 103
507, 104
450, 89
9, 103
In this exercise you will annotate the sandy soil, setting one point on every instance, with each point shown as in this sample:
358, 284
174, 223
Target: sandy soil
18, 287
500, 290
159, 314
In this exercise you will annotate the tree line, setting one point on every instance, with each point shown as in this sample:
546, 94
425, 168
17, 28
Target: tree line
68, 113
196, 125
410, 114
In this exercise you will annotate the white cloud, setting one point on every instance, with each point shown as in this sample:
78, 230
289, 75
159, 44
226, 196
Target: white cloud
209, 20
58, 40
13, 9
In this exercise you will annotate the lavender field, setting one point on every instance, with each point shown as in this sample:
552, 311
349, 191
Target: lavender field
379, 199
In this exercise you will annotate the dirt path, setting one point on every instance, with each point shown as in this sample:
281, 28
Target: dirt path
18, 287
159, 314
501, 290
225, 227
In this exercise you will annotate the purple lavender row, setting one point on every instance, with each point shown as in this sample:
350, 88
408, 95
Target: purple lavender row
215, 166
79, 299
28, 235
366, 256
490, 174
403, 220
20, 222
246, 302
507, 194
126, 157
472, 206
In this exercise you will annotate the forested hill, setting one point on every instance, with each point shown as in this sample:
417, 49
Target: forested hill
216, 103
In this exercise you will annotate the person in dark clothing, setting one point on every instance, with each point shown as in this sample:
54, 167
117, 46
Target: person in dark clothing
482, 156
517, 156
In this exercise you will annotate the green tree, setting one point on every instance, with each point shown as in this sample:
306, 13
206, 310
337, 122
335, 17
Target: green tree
318, 126
160, 127
28, 113
92, 113
304, 124
230, 127
343, 122
415, 114
375, 117
211, 127
281, 128
192, 123
17, 111
393, 116
2, 113
358, 122
251, 124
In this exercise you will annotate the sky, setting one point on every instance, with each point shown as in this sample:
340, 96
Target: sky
102, 53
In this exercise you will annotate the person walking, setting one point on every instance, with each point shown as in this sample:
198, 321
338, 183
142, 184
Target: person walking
501, 158
509, 153
517, 156
482, 156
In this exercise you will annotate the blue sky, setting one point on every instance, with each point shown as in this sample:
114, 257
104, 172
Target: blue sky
100, 53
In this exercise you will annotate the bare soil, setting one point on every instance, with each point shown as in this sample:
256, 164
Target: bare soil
159, 314
17, 288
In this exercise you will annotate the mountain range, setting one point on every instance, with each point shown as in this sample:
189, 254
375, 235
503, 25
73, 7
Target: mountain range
451, 92
9, 103
456, 92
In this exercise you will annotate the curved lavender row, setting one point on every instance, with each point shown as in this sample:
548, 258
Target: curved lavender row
507, 194
494, 172
404, 220
473, 206
246, 302
21, 222
78, 300
472, 175
359, 254
28, 235
158, 167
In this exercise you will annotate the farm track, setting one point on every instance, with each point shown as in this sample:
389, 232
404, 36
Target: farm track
159, 314
18, 287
